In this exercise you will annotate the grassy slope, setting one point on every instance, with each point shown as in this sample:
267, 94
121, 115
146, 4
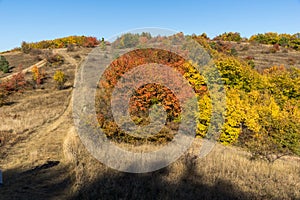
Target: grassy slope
45, 159
263, 58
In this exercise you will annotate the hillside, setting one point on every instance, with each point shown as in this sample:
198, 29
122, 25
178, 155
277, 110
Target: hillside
42, 157
263, 57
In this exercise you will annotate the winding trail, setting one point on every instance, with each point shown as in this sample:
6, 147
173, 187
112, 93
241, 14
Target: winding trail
47, 140
44, 144
38, 65
44, 62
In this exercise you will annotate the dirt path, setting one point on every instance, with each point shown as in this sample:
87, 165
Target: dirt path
66, 56
44, 145
50, 135
38, 65
41, 63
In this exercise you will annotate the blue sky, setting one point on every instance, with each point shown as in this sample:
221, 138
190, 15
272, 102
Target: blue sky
34, 20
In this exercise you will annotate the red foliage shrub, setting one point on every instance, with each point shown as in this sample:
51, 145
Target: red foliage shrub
145, 96
276, 47
249, 58
15, 83
90, 42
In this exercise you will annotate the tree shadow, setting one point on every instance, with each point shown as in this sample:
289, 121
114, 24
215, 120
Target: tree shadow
9, 103
53, 180
155, 185
47, 165
45, 181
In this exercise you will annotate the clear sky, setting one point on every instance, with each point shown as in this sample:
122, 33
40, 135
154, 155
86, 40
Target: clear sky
34, 20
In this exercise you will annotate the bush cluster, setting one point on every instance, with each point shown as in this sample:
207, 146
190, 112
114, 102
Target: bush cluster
235, 37
65, 42
284, 40
262, 109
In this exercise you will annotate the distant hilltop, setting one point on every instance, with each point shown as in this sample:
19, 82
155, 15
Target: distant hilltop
271, 38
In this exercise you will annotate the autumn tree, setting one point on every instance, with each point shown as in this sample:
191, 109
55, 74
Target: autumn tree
60, 79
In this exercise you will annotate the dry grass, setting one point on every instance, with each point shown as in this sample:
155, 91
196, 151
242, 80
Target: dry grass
280, 180
80, 53
225, 173
16, 59
70, 146
263, 58
33, 111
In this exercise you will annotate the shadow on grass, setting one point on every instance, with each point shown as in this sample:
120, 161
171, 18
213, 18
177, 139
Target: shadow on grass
53, 180
155, 185
9, 103
46, 181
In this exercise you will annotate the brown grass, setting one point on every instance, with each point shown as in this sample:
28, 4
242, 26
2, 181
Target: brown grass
226, 173
263, 58
17, 59
26, 114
